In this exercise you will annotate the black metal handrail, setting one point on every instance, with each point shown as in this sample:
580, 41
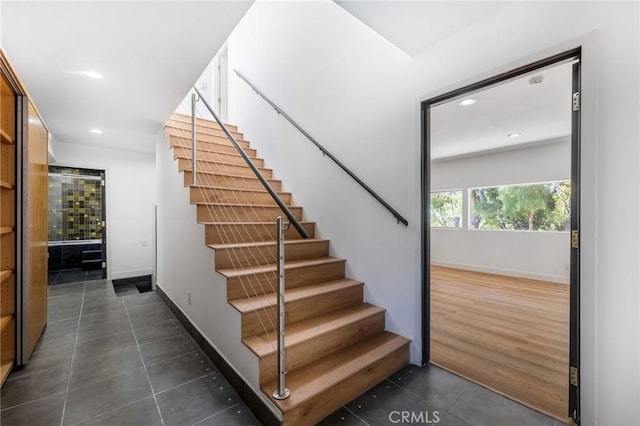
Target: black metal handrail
292, 219
393, 211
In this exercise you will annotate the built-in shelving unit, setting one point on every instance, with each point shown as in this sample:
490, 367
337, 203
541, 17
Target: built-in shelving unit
7, 229
6, 138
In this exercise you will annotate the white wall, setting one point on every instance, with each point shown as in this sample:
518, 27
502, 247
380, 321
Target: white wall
130, 184
186, 265
360, 96
536, 255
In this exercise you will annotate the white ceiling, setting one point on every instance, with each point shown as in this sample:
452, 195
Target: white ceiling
149, 53
413, 25
540, 113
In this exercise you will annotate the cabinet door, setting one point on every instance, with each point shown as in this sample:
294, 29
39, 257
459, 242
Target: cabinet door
35, 290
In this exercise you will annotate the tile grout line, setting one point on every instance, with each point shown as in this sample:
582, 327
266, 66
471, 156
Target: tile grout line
356, 416
114, 409
144, 365
167, 338
73, 355
417, 395
213, 415
33, 400
177, 356
185, 383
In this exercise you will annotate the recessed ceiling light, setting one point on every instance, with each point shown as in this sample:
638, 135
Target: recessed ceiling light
537, 79
96, 131
467, 102
513, 135
90, 74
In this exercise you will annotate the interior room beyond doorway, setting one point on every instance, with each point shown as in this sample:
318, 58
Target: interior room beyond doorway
500, 216
76, 225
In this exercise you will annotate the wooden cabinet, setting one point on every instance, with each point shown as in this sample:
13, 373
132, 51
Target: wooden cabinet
23, 223
36, 236
7, 228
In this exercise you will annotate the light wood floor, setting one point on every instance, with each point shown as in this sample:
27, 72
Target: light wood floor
508, 334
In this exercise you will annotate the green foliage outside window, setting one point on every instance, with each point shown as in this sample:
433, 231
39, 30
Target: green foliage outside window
538, 207
446, 209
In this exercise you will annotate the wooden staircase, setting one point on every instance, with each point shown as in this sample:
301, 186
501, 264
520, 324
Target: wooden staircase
336, 345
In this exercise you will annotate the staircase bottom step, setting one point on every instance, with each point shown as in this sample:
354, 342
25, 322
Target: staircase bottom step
321, 388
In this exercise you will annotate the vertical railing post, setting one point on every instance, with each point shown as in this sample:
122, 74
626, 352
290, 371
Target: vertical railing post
194, 164
282, 392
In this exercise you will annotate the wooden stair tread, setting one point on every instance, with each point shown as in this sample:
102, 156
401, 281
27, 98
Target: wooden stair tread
4, 321
257, 206
214, 151
220, 144
253, 196
292, 264
252, 223
224, 188
6, 230
4, 274
298, 332
185, 135
200, 121
176, 127
264, 243
338, 346
231, 175
219, 163
6, 138
254, 303
327, 373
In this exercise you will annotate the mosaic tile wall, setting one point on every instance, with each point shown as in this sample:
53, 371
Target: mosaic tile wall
75, 211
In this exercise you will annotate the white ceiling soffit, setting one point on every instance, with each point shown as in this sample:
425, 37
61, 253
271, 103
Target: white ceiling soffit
540, 113
149, 54
413, 25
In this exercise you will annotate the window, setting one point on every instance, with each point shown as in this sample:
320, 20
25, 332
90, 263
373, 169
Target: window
446, 209
534, 207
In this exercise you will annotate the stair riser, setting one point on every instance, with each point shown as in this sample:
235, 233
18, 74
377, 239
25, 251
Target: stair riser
221, 195
211, 213
316, 409
200, 130
224, 181
253, 256
256, 321
264, 283
211, 144
240, 233
321, 346
200, 122
215, 157
240, 170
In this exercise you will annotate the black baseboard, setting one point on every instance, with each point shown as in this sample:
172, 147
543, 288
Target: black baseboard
248, 395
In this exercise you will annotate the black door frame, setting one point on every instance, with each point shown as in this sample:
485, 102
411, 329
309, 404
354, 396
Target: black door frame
574, 291
103, 202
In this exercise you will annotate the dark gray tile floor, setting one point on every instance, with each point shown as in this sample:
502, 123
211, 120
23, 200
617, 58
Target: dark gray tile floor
73, 276
106, 359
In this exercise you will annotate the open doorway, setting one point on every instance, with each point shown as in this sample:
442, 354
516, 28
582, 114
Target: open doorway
77, 225
500, 233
